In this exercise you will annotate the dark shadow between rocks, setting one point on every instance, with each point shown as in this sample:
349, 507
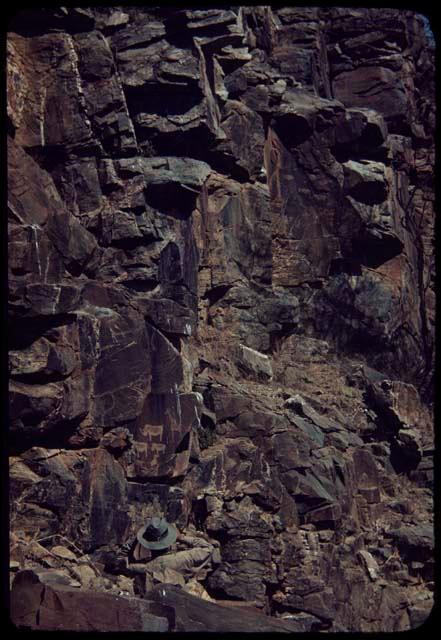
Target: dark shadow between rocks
293, 129
22, 437
344, 265
216, 293
24, 331
173, 199
163, 99
373, 251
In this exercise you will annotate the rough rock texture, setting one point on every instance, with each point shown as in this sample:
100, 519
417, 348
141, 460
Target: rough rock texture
221, 280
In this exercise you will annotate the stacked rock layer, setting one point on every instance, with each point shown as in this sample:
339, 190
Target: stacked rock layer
221, 281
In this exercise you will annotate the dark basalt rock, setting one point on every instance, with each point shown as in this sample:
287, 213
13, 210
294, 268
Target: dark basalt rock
221, 312
415, 543
38, 605
193, 614
381, 87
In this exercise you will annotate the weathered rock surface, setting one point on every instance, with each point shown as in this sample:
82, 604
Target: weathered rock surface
221, 310
192, 614
39, 604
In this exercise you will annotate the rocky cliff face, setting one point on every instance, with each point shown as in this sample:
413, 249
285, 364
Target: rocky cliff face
222, 311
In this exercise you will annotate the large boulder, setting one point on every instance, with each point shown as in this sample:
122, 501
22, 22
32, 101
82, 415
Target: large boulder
42, 606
